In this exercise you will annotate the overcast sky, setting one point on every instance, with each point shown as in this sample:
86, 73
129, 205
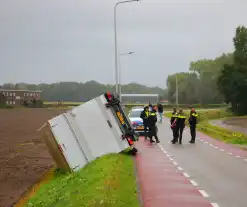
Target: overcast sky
73, 40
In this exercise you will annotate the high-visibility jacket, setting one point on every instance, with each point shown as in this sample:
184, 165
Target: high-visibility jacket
152, 119
193, 118
144, 116
173, 118
181, 120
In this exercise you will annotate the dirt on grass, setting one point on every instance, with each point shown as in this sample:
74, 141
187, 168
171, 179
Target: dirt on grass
24, 158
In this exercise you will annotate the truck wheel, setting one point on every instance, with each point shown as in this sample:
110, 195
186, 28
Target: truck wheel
134, 151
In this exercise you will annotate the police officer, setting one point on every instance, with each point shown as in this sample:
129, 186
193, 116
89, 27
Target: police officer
150, 106
180, 125
173, 124
193, 122
160, 110
152, 119
144, 116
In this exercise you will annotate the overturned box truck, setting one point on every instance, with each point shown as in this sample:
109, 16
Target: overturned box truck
86, 132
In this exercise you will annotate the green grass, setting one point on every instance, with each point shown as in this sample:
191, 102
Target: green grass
63, 103
109, 181
219, 133
61, 108
207, 114
222, 134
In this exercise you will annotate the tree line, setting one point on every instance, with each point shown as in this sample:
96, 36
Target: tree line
213, 81
232, 80
199, 85
81, 92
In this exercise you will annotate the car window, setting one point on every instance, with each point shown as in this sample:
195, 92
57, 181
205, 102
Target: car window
135, 114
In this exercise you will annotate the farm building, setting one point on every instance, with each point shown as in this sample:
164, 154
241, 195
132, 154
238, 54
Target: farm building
2, 100
139, 98
18, 97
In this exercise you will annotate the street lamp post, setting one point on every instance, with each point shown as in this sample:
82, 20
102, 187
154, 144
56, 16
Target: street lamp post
119, 70
176, 90
116, 48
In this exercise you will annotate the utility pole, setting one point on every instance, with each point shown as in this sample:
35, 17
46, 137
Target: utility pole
116, 46
120, 73
119, 78
176, 90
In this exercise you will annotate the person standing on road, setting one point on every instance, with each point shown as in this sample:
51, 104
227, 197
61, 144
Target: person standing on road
144, 116
173, 124
193, 122
160, 111
152, 119
180, 125
150, 106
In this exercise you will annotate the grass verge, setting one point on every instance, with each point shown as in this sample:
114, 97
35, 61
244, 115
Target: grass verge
206, 115
63, 103
108, 181
216, 132
222, 134
30, 193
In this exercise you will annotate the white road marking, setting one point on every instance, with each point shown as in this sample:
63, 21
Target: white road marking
171, 159
245, 160
162, 149
193, 182
179, 168
174, 163
211, 145
229, 153
237, 156
168, 155
205, 142
186, 175
216, 147
222, 150
204, 193
215, 205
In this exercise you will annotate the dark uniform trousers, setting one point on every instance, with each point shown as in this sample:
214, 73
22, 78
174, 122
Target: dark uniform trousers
153, 132
145, 129
144, 116
174, 130
180, 132
175, 133
193, 122
180, 127
193, 132
152, 127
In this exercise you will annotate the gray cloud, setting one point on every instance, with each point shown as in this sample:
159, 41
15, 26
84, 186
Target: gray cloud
62, 40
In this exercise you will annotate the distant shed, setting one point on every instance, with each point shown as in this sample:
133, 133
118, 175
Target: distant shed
139, 98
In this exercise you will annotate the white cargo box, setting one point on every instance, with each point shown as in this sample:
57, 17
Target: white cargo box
87, 132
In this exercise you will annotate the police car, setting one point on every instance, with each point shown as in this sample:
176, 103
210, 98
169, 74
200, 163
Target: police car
137, 122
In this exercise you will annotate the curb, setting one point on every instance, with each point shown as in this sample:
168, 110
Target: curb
138, 187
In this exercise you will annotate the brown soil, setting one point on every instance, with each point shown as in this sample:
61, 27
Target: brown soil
242, 122
24, 158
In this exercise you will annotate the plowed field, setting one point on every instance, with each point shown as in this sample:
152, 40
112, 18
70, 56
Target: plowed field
23, 155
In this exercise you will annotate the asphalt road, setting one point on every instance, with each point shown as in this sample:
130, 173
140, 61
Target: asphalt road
222, 176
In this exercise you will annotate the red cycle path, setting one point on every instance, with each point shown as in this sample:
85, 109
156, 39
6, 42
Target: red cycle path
161, 183
228, 147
